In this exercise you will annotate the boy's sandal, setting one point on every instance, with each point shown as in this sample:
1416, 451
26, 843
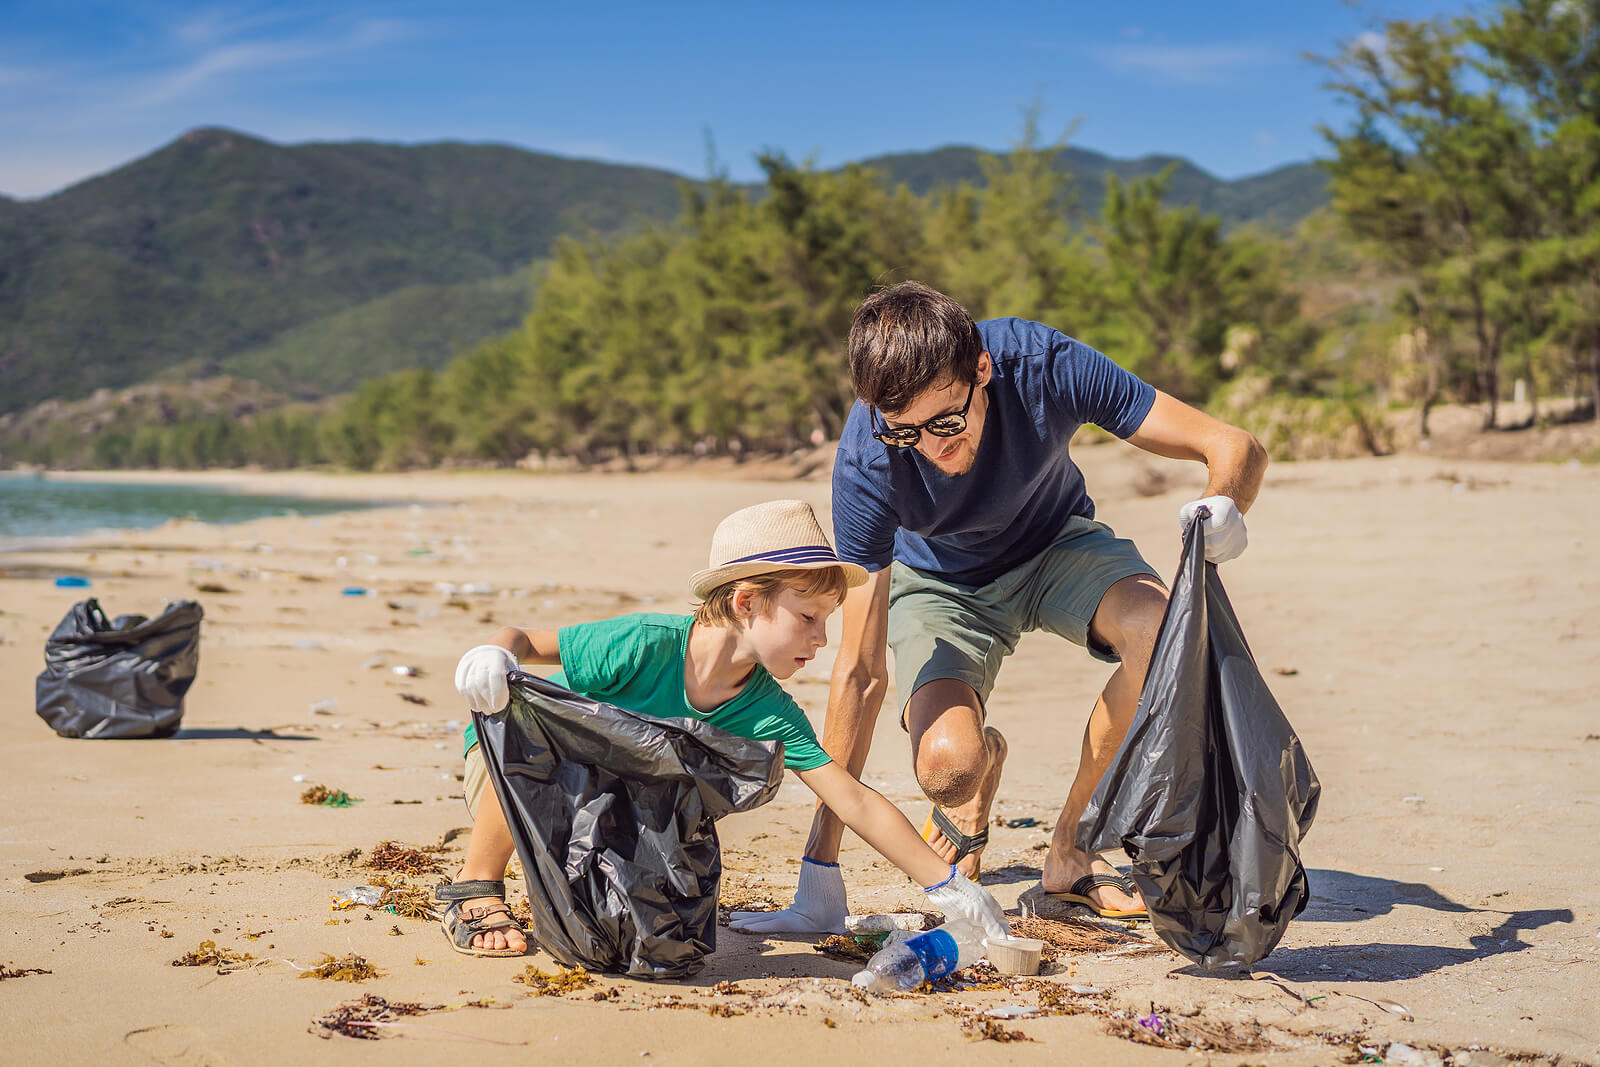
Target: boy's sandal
1079, 894
966, 844
461, 927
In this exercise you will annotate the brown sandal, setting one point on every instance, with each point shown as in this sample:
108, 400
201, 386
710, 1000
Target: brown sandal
461, 927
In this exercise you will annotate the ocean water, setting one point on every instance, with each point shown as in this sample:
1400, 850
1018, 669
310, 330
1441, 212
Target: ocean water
37, 508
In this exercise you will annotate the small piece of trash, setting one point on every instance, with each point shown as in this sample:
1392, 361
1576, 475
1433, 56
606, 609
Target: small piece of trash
1287, 672
300, 778
366, 895
1436, 869
1153, 1023
1017, 824
1012, 1011
355, 590
1411, 800
1085, 990
72, 581
405, 671
325, 706
882, 924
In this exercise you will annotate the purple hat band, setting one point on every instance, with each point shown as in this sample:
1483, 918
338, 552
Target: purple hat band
803, 554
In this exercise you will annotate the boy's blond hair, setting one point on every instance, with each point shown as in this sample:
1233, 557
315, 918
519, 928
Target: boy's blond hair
717, 608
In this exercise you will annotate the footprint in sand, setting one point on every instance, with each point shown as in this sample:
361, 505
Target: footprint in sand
175, 1045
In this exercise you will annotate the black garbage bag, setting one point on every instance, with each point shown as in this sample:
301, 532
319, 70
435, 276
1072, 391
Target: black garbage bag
1210, 793
122, 678
613, 815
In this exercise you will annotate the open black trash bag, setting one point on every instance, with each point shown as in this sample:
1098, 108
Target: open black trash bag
122, 678
613, 815
1210, 792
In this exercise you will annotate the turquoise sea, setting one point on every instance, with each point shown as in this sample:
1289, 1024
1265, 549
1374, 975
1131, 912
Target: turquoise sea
34, 507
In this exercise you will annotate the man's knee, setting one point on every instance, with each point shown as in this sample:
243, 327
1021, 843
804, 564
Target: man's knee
1129, 617
949, 771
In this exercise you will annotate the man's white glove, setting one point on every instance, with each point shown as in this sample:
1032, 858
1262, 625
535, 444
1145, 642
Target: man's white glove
1224, 527
960, 897
481, 678
818, 906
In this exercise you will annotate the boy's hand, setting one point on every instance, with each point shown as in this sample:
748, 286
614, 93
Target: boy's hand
1226, 536
481, 678
959, 896
818, 906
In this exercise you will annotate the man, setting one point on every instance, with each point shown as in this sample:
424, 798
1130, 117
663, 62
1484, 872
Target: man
954, 488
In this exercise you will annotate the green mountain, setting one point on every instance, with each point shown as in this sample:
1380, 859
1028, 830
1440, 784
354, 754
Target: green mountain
310, 267
1277, 197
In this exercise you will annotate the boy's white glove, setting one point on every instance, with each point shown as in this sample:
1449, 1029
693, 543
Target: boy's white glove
818, 906
960, 897
481, 678
1224, 527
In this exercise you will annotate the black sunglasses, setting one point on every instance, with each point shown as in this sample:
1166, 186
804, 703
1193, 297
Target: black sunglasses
947, 425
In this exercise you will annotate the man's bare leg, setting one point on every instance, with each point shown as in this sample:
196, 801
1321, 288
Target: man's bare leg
488, 852
957, 761
1126, 620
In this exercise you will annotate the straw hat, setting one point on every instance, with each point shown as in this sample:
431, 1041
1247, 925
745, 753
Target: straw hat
779, 535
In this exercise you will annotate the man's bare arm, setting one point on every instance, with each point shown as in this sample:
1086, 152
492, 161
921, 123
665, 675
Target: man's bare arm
860, 677
1234, 459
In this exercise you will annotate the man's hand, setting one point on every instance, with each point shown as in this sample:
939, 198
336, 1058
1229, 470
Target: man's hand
960, 897
818, 906
1224, 527
481, 678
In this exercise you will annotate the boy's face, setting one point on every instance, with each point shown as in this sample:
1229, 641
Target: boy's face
951, 455
787, 632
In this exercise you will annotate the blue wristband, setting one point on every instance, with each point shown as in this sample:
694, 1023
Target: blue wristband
947, 881
819, 863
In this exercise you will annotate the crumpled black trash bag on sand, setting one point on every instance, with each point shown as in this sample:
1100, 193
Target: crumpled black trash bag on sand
119, 679
613, 815
1211, 792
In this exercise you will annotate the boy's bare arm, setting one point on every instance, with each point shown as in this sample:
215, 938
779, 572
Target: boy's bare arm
529, 646
860, 677
878, 822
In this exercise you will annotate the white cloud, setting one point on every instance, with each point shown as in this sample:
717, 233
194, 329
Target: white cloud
224, 59
1190, 64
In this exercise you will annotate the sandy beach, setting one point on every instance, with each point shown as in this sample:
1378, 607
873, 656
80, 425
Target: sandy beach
1428, 625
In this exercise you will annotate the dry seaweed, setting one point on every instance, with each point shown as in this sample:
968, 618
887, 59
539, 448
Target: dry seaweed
565, 980
989, 1030
360, 1019
328, 798
849, 949
743, 900
22, 972
403, 859
404, 899
209, 955
348, 968
1077, 935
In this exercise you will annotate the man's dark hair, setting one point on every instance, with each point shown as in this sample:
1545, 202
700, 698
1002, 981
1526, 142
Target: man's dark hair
907, 339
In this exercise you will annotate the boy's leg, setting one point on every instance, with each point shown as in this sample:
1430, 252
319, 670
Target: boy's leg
488, 852
1098, 592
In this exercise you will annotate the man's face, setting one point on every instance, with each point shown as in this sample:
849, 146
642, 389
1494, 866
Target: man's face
951, 455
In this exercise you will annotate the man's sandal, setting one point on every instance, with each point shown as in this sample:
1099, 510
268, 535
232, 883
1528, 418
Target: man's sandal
460, 927
1079, 894
966, 844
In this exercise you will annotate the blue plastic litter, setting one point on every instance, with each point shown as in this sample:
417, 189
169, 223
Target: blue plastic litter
71, 581
355, 590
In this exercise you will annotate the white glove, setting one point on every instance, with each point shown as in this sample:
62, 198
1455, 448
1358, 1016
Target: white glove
960, 897
818, 906
1224, 527
481, 678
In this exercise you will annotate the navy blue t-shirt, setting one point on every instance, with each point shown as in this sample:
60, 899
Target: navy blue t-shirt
971, 528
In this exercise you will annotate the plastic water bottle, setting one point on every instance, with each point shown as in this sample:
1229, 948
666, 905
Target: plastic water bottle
924, 958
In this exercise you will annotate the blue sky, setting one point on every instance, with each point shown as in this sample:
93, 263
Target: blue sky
85, 87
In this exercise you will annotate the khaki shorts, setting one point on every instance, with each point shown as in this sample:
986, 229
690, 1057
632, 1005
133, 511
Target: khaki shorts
474, 781
939, 629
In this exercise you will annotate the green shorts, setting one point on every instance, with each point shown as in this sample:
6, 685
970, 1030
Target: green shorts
939, 629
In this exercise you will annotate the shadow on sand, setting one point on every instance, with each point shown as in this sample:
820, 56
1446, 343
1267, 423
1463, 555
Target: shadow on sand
1342, 897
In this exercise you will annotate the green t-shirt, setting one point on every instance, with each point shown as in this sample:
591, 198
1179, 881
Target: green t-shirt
637, 661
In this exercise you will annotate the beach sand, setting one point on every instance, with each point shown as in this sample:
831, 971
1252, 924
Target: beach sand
1428, 626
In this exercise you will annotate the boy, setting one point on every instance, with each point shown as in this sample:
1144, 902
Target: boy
766, 598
